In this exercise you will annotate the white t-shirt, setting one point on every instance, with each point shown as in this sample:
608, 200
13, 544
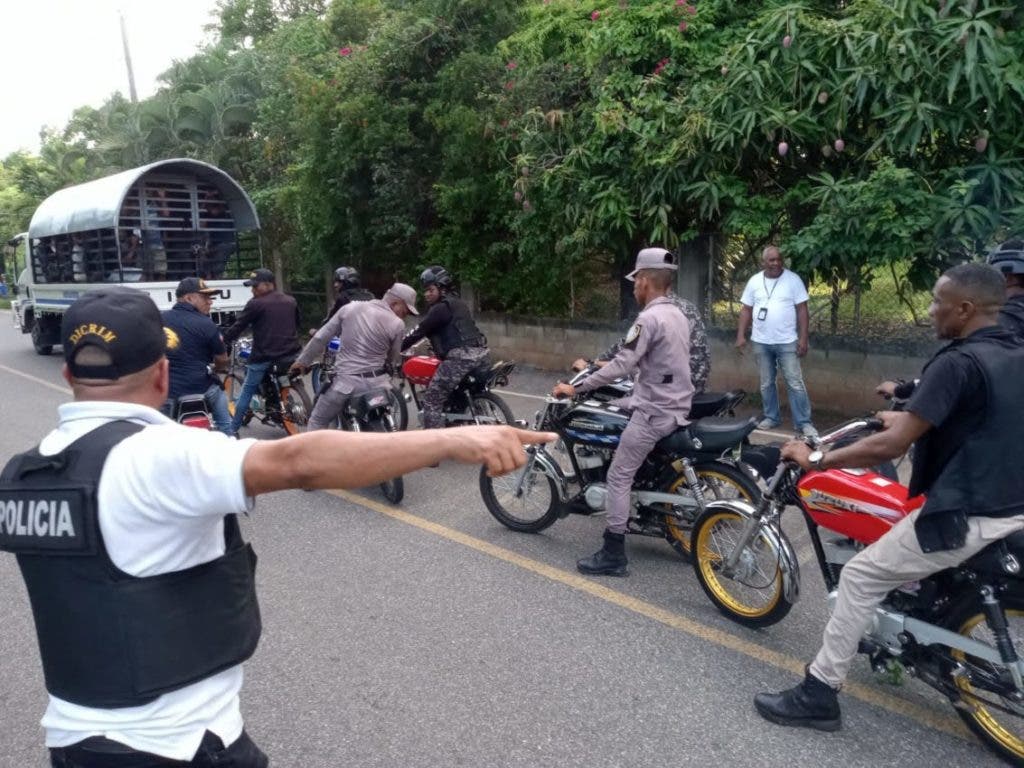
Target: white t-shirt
774, 304
162, 498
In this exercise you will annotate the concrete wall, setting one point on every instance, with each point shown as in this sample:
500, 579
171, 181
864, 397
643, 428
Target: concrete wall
840, 373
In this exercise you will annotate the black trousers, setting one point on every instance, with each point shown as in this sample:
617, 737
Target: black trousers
99, 752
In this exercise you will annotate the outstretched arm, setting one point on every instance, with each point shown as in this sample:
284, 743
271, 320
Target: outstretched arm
332, 459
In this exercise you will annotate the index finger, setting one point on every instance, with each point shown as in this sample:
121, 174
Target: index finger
528, 437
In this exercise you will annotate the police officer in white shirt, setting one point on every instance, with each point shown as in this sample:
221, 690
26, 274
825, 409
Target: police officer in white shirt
125, 528
775, 300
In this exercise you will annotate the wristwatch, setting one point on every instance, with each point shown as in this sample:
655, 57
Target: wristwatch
816, 458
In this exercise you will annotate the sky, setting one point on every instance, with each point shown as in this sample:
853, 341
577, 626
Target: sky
58, 55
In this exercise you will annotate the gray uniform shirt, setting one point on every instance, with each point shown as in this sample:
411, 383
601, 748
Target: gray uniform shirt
658, 345
371, 335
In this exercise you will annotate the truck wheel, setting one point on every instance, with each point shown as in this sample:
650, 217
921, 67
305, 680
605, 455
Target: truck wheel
39, 338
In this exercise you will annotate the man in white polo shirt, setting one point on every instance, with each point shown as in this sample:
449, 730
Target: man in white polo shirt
125, 525
775, 302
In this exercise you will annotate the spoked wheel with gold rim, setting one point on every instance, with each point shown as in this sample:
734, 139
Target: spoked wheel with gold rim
752, 594
718, 481
995, 719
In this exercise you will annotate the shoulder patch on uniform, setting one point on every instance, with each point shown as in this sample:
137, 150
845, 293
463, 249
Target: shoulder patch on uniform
633, 335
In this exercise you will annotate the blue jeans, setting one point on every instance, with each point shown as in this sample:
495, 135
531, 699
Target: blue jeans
254, 373
217, 401
770, 359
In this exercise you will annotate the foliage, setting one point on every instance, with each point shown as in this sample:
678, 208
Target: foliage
534, 146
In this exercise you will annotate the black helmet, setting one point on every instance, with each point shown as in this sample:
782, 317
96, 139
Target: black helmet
1008, 258
436, 275
347, 276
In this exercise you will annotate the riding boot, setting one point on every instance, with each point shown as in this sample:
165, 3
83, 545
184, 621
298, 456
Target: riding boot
610, 560
812, 704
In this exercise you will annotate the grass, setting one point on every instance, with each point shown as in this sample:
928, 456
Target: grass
5, 303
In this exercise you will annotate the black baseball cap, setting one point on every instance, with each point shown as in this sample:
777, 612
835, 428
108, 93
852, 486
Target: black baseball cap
260, 276
195, 285
120, 321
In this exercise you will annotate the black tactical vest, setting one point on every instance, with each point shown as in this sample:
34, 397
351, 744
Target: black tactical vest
1011, 316
983, 476
108, 639
460, 332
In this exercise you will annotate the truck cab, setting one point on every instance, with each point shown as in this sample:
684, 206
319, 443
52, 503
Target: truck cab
147, 228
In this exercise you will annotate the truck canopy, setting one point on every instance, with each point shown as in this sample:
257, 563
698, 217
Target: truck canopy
98, 204
158, 223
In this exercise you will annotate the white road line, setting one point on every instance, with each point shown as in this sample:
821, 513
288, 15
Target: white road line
36, 379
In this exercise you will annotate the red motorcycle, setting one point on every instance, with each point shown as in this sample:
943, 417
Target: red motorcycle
957, 630
472, 401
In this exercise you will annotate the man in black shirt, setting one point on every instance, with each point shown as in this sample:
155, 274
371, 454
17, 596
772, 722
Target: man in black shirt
964, 420
1009, 259
274, 318
199, 345
454, 337
346, 288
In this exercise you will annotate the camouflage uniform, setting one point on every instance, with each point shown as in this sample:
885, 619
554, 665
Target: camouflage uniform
449, 375
700, 356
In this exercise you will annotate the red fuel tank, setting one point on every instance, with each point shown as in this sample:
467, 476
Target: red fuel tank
420, 369
856, 503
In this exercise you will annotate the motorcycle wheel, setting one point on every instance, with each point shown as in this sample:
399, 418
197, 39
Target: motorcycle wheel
393, 489
295, 407
491, 409
317, 379
753, 597
535, 509
718, 482
1001, 731
232, 386
399, 407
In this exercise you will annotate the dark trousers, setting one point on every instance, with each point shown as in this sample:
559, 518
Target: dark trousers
99, 752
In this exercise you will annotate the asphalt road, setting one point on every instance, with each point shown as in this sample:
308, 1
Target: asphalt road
429, 635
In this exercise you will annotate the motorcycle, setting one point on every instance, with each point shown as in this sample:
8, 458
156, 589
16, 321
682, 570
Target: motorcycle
956, 630
373, 411
281, 399
759, 460
683, 472
321, 374
190, 410
472, 401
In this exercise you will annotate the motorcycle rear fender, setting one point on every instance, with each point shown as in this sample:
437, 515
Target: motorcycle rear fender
788, 563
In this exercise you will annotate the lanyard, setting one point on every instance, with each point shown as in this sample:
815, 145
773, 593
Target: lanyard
764, 282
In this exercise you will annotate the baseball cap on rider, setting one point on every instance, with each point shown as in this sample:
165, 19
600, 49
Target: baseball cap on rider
653, 258
123, 323
195, 285
260, 276
404, 293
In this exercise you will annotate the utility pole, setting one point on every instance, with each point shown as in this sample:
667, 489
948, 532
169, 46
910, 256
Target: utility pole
128, 60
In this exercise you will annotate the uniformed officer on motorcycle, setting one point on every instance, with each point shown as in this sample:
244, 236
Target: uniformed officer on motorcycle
658, 345
1008, 258
700, 355
371, 337
964, 420
454, 337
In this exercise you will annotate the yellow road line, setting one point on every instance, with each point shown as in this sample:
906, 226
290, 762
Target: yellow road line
872, 696
37, 380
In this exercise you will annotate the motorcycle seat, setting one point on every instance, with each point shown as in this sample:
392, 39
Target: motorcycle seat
711, 435
486, 374
710, 403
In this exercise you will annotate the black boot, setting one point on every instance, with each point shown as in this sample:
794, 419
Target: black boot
609, 560
812, 704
